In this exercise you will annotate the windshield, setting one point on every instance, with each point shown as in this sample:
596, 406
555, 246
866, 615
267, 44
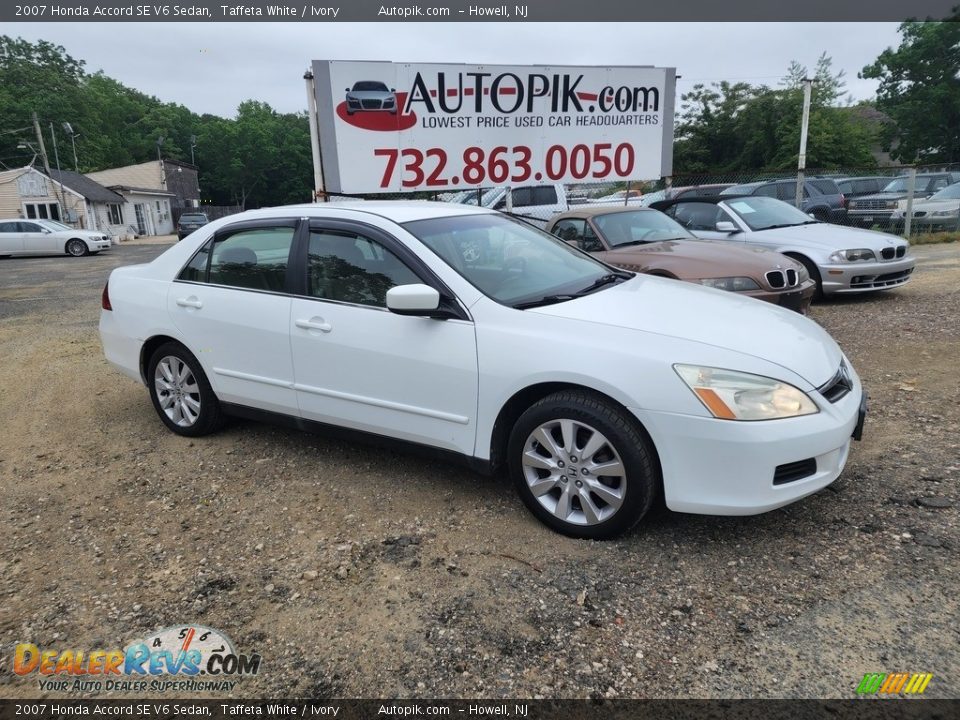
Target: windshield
53, 225
948, 193
506, 259
486, 200
903, 184
653, 197
369, 86
763, 213
639, 226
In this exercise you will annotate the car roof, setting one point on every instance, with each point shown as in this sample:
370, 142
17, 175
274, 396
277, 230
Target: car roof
659, 204
399, 211
589, 211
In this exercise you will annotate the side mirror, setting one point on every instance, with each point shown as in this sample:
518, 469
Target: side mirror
727, 227
347, 90
393, 89
416, 299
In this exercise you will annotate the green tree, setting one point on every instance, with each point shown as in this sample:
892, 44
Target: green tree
920, 90
726, 128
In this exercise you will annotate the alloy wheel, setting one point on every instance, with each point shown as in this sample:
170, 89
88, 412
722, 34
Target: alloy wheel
177, 391
574, 472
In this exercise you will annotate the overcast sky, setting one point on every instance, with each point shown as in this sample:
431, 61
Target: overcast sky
212, 67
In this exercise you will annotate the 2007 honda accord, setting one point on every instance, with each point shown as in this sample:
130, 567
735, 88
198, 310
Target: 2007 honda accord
596, 388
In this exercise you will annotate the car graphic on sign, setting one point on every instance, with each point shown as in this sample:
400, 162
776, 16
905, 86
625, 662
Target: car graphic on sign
367, 95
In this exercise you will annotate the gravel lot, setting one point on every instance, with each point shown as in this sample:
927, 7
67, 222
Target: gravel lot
358, 572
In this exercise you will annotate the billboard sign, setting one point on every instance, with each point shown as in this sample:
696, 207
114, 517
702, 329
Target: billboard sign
388, 127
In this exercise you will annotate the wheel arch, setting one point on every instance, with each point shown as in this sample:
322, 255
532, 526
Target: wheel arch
523, 399
149, 347
70, 240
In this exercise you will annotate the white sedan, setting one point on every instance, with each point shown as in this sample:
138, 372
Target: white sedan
596, 388
48, 237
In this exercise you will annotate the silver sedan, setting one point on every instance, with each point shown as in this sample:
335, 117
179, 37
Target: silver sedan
840, 259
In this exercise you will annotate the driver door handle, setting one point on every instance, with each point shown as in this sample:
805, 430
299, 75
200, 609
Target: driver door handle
314, 324
190, 302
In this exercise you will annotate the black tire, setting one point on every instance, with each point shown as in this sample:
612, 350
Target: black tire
814, 272
210, 416
76, 248
641, 478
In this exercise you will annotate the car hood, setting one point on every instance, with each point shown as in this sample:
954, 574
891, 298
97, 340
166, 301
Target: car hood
828, 236
930, 205
712, 317
695, 259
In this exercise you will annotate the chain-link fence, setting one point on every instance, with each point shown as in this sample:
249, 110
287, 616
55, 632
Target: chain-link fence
901, 200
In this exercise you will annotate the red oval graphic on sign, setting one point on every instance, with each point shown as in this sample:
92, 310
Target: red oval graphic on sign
379, 120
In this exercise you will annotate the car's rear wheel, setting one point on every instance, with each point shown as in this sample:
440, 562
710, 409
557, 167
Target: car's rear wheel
181, 393
77, 248
582, 465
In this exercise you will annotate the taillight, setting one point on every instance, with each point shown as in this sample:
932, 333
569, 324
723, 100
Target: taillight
105, 297
843, 201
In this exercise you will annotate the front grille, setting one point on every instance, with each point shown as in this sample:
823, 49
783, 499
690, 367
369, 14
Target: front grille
791, 472
782, 278
901, 251
871, 204
839, 385
887, 253
876, 282
370, 104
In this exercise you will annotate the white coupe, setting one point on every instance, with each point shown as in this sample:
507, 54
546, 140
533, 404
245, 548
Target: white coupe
595, 388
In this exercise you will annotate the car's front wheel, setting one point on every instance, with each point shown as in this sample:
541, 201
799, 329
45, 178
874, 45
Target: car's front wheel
582, 465
181, 393
77, 248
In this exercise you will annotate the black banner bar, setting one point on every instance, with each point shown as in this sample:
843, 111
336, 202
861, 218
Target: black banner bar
472, 11
169, 708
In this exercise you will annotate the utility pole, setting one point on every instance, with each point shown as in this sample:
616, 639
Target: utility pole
804, 126
68, 129
318, 183
46, 164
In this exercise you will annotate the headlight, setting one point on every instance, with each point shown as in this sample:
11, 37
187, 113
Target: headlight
856, 255
732, 395
944, 213
851, 205
733, 284
802, 274
892, 204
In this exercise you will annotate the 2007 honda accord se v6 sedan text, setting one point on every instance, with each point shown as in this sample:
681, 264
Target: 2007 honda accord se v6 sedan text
596, 388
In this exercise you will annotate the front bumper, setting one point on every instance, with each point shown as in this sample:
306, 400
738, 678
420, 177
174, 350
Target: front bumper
866, 276
868, 218
98, 245
725, 467
798, 299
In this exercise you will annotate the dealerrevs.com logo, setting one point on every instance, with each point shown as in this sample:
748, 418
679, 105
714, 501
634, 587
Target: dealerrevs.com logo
183, 658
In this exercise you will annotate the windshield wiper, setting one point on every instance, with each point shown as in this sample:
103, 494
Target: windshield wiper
603, 280
600, 282
545, 300
784, 225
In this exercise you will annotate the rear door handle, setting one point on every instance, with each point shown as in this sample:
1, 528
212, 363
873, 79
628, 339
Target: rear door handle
191, 302
315, 323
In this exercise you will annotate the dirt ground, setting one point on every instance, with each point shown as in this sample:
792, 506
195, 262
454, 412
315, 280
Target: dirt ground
359, 572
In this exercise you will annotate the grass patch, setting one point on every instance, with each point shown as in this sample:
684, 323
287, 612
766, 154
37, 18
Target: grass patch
933, 238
